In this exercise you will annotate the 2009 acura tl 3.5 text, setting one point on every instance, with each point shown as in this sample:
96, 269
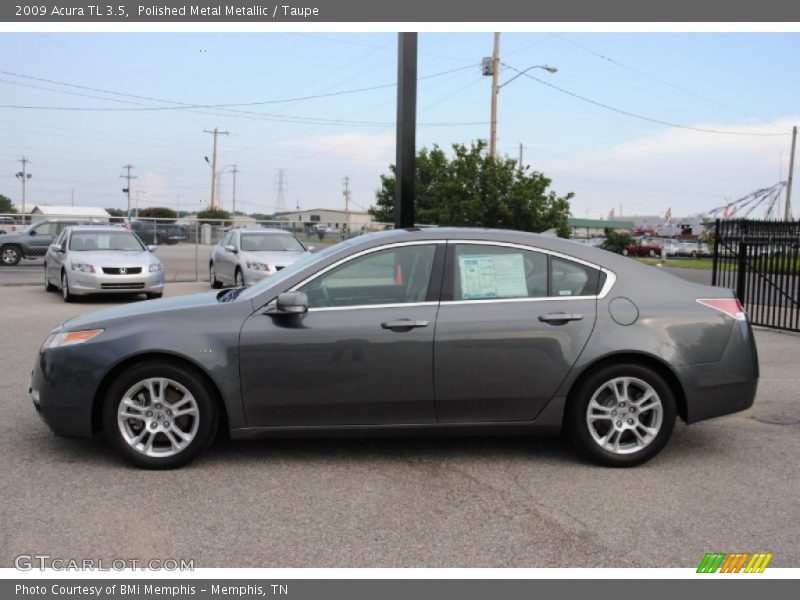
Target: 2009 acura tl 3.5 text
411, 331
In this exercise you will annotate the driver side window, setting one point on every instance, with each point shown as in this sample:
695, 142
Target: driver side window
393, 276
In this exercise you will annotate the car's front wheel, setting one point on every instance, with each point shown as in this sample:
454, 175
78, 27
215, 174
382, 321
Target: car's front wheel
622, 415
212, 277
65, 293
48, 287
159, 416
239, 278
10, 256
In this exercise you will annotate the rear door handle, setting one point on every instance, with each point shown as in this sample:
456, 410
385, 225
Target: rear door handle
559, 318
403, 324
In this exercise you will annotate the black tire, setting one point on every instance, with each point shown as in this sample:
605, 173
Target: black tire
212, 277
154, 295
48, 287
10, 255
65, 293
578, 429
188, 378
238, 278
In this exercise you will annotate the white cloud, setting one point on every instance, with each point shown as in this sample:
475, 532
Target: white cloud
358, 149
687, 170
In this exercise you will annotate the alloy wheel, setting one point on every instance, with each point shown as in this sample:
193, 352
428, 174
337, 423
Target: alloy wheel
624, 415
158, 417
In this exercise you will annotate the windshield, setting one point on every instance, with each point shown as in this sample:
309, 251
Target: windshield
124, 241
271, 242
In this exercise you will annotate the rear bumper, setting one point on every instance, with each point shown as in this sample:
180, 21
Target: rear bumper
725, 387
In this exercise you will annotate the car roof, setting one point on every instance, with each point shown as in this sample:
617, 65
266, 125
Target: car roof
262, 230
96, 228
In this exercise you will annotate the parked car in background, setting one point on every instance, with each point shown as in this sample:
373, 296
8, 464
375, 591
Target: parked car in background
31, 242
530, 334
153, 232
102, 260
244, 256
7, 224
643, 247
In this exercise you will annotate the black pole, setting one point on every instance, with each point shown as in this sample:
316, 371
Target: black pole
406, 129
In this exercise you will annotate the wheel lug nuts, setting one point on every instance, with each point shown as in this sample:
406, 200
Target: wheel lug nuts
619, 423
166, 424
622, 405
169, 413
630, 421
149, 413
153, 425
613, 413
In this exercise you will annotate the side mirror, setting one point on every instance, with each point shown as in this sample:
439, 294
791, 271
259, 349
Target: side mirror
310, 248
151, 248
58, 247
290, 303
230, 248
32, 232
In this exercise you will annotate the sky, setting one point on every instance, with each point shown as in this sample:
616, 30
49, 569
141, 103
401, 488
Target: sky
322, 107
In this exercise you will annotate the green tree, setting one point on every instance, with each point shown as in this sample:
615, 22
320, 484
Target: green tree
158, 212
214, 216
6, 206
616, 242
476, 190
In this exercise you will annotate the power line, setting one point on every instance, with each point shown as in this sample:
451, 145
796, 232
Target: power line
184, 106
654, 78
637, 116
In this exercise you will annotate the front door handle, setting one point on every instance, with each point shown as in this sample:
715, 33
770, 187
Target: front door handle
403, 325
559, 318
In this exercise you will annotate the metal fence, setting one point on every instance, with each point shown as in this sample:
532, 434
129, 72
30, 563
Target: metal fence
183, 245
760, 260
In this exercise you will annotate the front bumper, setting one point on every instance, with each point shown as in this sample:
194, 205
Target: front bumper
62, 389
81, 283
252, 276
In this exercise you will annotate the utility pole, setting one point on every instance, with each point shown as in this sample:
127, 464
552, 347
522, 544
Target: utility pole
521, 148
216, 133
404, 182
346, 195
235, 170
495, 90
137, 201
23, 176
788, 211
178, 205
127, 188
72, 196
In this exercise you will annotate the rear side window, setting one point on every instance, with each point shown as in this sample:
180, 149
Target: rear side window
573, 279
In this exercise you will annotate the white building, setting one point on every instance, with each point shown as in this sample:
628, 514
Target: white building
331, 218
42, 212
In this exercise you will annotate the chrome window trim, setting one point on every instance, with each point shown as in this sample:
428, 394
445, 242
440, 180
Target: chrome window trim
364, 306
611, 277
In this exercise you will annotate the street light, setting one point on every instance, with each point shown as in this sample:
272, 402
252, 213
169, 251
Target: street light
492, 67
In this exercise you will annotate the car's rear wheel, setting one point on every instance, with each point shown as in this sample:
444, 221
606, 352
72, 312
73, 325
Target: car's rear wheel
212, 277
154, 295
622, 415
48, 287
10, 256
159, 416
65, 293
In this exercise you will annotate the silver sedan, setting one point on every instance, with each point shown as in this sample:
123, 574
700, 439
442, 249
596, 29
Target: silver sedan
246, 256
102, 260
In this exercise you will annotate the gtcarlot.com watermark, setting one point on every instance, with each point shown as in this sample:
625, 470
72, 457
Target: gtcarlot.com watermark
45, 562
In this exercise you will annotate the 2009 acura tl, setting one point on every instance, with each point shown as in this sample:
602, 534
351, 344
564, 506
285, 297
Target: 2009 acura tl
437, 330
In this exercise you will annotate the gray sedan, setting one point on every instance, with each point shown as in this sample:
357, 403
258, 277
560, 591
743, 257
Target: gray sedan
412, 331
102, 260
246, 256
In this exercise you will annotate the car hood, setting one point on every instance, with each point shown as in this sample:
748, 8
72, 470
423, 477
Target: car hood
5, 238
149, 307
281, 258
106, 258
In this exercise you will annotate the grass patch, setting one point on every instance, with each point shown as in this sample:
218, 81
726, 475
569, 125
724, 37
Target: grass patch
687, 263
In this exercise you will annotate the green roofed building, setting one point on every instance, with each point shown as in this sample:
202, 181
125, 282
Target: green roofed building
585, 228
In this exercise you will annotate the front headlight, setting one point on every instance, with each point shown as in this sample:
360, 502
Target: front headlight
84, 268
156, 267
257, 266
69, 338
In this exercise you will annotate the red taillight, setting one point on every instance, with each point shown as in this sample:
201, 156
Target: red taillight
730, 306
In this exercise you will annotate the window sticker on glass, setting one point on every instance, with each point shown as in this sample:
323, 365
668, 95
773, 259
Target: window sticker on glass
492, 276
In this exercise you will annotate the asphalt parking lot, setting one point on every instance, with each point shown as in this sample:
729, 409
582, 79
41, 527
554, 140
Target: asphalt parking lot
727, 485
